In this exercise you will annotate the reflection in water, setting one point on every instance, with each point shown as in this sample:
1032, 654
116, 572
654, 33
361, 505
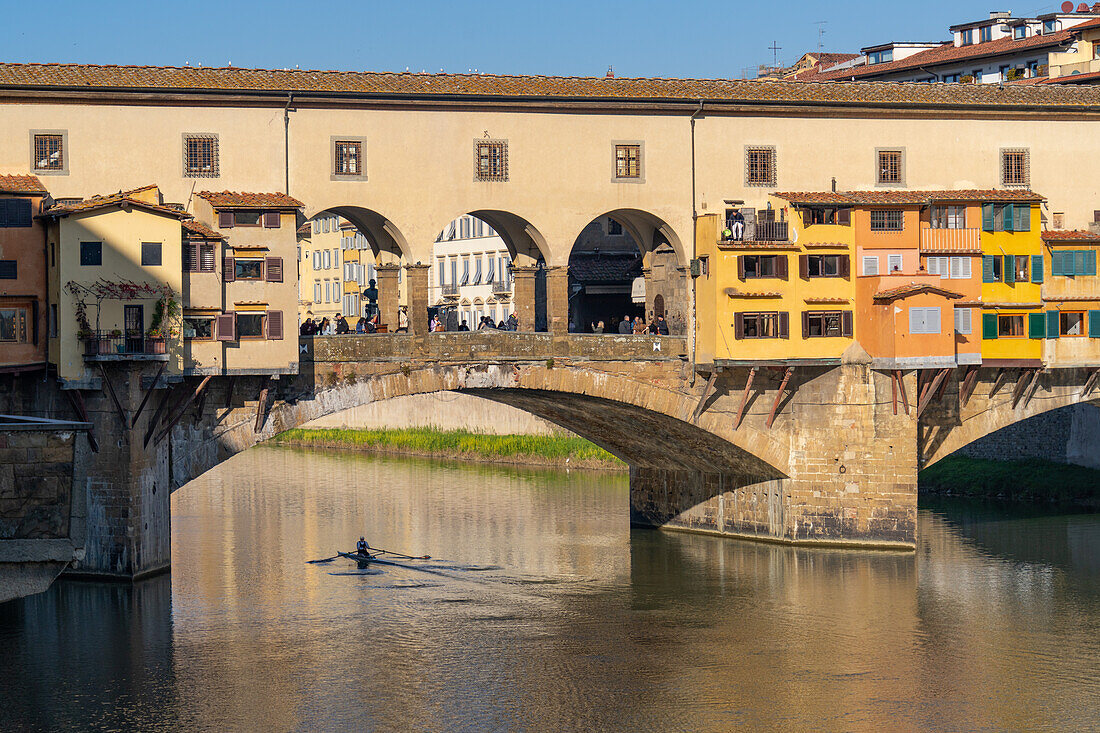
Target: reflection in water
544, 611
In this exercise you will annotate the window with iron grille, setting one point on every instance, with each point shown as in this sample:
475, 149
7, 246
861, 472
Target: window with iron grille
760, 166
891, 167
349, 158
628, 161
49, 152
200, 156
887, 220
491, 160
1015, 167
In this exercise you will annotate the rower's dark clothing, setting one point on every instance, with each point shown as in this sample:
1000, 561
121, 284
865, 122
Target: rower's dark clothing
362, 547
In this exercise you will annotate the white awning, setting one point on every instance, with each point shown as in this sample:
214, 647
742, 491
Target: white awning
637, 291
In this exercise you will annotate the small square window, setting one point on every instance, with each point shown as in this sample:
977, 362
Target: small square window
13, 324
349, 158
250, 325
248, 269
200, 156
1010, 326
760, 166
1071, 323
151, 254
15, 213
891, 167
491, 160
91, 254
1015, 167
628, 161
198, 328
49, 152
887, 220
9, 269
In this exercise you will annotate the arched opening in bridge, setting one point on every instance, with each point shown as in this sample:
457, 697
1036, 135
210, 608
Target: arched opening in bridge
350, 262
626, 263
488, 265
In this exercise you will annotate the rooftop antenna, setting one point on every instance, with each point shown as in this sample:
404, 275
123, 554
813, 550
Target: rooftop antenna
775, 53
820, 33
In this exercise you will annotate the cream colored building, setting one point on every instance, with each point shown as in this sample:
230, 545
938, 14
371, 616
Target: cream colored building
472, 272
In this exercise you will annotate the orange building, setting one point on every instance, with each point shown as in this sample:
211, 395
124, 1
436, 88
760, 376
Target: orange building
23, 312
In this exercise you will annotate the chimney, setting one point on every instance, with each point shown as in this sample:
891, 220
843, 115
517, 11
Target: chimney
834, 184
610, 72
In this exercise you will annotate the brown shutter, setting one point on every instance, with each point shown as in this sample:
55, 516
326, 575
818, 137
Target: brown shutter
225, 219
804, 267
739, 325
271, 219
275, 325
781, 266
207, 252
229, 270
807, 218
846, 324
273, 269
845, 266
784, 325
227, 326
188, 255
844, 217
741, 267
805, 324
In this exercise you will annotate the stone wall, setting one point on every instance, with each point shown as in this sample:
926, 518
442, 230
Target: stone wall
1067, 435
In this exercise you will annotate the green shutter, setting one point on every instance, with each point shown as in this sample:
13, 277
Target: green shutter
987, 219
1010, 269
1079, 262
987, 269
1094, 324
1052, 324
1009, 214
1056, 264
1036, 268
1036, 325
1022, 222
989, 325
1090, 262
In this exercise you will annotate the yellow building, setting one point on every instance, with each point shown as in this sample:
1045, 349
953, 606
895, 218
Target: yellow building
1071, 299
1013, 322
335, 265
115, 282
1080, 63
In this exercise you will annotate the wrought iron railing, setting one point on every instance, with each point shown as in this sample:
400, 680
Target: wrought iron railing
450, 289
110, 343
502, 286
762, 231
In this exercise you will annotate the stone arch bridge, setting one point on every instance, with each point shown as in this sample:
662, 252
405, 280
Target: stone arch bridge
814, 454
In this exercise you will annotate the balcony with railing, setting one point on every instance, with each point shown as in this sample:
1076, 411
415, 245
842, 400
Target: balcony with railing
449, 290
950, 241
760, 231
502, 286
116, 346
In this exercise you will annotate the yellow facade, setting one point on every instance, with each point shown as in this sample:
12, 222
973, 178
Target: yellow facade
1011, 292
1071, 299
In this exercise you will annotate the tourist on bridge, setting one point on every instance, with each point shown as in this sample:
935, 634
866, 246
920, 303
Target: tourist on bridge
661, 325
738, 221
639, 326
326, 328
402, 320
463, 327
512, 324
361, 325
625, 326
342, 326
597, 326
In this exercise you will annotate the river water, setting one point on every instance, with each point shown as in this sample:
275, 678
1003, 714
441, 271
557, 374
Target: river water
544, 611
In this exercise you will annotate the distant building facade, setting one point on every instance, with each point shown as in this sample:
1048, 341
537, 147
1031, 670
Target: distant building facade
23, 259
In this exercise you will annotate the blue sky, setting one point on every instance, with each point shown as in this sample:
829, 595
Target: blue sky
688, 38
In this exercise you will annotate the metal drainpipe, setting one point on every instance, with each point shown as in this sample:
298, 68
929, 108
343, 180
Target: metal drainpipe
694, 235
286, 141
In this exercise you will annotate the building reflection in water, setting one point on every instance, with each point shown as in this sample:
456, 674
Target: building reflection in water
547, 612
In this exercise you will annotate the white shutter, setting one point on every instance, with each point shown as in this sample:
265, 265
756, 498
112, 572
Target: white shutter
932, 320
316, 292
916, 320
870, 265
963, 265
325, 255
933, 265
962, 320
490, 270
316, 259
893, 262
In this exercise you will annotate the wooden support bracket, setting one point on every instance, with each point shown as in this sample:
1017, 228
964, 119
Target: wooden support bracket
196, 416
707, 390
967, 384
182, 409
1090, 382
164, 400
148, 394
1030, 391
943, 385
929, 391
76, 397
1025, 380
1001, 374
899, 380
779, 394
261, 406
744, 398
229, 392
114, 397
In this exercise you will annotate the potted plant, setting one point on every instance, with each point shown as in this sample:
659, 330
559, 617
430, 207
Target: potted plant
154, 339
115, 340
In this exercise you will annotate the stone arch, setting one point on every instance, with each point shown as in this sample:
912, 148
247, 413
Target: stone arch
387, 240
526, 244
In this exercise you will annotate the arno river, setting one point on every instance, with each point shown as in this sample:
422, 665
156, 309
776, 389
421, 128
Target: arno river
545, 611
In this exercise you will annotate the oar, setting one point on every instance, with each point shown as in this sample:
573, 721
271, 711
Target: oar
325, 559
398, 554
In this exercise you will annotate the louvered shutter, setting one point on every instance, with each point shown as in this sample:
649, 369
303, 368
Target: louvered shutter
739, 325
988, 275
845, 264
987, 217
188, 253
1052, 325
989, 325
781, 266
271, 219
1010, 269
1023, 218
931, 320
1036, 325
275, 325
1036, 268
1079, 262
805, 324
273, 269
1008, 216
804, 267
870, 265
226, 326
229, 269
844, 217
741, 267
1090, 262
225, 219
1094, 324
916, 320
784, 325
846, 324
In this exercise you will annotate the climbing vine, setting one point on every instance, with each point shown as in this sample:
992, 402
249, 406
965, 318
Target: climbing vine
167, 306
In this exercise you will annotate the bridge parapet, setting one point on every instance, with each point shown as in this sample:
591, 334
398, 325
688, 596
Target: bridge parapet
491, 346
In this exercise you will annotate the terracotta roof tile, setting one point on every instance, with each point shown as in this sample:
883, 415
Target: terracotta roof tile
115, 199
1092, 77
654, 90
948, 53
19, 183
197, 227
904, 291
235, 199
914, 198
1071, 236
